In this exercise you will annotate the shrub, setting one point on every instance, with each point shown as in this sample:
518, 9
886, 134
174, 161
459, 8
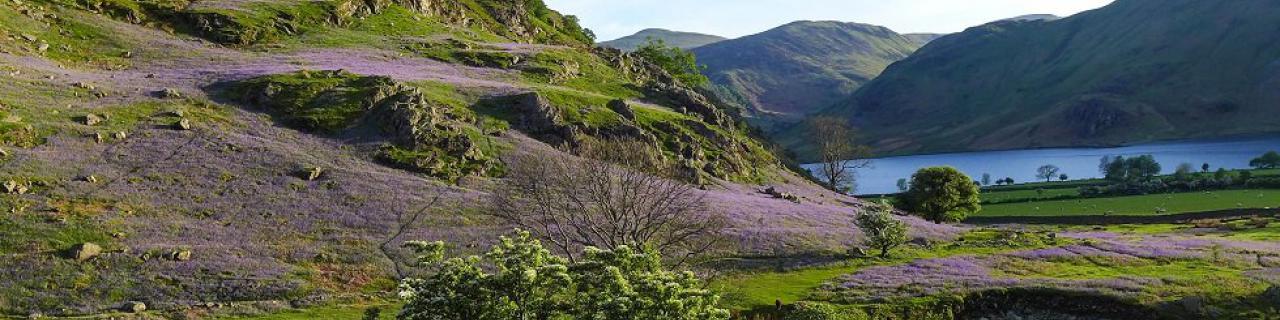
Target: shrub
883, 231
824, 311
681, 64
519, 279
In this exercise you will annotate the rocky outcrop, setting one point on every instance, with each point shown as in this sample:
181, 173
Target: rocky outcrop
698, 149
416, 133
664, 89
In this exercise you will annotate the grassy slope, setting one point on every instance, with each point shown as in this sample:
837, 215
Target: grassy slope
1133, 71
229, 190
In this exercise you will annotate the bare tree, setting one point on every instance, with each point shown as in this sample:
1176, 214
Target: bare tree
404, 221
619, 193
840, 156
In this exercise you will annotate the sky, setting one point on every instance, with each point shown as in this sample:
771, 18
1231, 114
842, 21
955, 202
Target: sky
611, 19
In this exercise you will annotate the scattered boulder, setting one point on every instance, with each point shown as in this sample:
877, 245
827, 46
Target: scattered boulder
183, 124
1272, 295
856, 252
1193, 304
4, 153
312, 173
622, 108
120, 135
780, 195
169, 93
84, 251
91, 119
15, 187
133, 307
42, 47
179, 255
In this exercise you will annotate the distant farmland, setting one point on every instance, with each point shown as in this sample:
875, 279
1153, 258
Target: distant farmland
1139, 205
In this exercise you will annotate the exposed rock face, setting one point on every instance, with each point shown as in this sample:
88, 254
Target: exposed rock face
419, 134
538, 118
699, 148
620, 106
663, 88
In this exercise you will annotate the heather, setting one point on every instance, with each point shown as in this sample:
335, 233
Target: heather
135, 135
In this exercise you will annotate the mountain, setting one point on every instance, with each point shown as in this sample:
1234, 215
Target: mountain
923, 38
1034, 17
801, 67
211, 158
1132, 71
684, 40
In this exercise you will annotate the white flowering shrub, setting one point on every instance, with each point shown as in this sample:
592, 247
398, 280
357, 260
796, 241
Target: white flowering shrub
520, 279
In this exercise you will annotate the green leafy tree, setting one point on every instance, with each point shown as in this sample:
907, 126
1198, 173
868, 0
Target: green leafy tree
1064, 177
1143, 167
986, 179
903, 185
1205, 167
942, 194
1184, 171
1270, 160
681, 64
1047, 172
519, 279
882, 231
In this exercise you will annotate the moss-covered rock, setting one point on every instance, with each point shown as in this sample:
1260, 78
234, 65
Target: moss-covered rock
418, 133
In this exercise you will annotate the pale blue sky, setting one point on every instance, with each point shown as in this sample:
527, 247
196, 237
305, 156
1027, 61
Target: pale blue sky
611, 19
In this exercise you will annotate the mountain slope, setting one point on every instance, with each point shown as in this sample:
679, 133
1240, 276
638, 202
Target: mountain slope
1133, 71
233, 157
683, 40
801, 67
922, 39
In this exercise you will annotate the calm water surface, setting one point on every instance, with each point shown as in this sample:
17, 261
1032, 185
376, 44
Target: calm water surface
1077, 163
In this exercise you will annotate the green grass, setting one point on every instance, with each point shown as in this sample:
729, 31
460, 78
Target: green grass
351, 312
1026, 195
1140, 205
750, 290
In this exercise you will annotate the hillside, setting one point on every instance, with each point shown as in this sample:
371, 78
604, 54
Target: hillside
923, 38
1133, 71
802, 67
239, 157
678, 39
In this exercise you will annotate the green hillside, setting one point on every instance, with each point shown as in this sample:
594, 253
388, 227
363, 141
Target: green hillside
799, 68
683, 40
1133, 71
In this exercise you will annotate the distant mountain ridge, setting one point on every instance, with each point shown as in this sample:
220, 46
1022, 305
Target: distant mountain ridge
1034, 17
799, 68
1133, 71
684, 40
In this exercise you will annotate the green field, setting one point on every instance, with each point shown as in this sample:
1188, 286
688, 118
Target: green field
1140, 205
1026, 195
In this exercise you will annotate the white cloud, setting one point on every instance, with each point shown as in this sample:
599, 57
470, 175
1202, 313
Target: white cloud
734, 18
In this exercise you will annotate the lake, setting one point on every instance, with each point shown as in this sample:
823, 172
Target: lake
1077, 163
